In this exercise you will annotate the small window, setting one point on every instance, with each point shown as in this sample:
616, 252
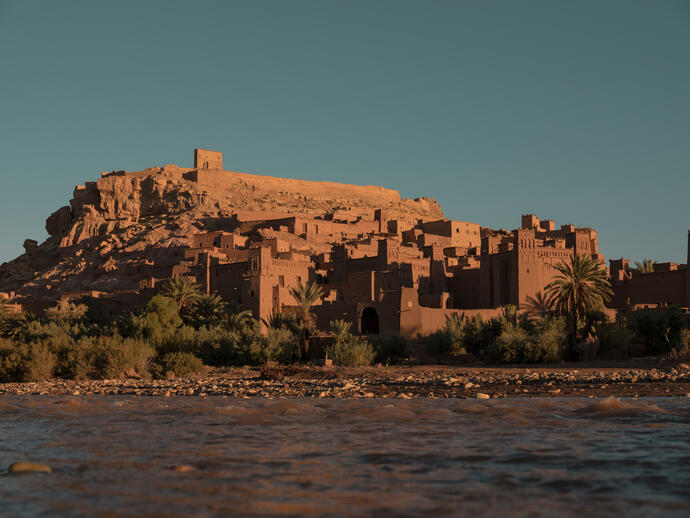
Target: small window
251, 293
281, 280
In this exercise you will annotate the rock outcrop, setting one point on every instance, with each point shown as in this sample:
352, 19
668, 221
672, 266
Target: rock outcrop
127, 226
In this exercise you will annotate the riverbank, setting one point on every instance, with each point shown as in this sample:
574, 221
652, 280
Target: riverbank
640, 378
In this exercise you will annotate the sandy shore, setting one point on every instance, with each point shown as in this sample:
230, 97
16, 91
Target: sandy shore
634, 378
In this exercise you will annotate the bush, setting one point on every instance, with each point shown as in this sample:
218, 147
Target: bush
278, 345
351, 351
25, 362
116, 357
510, 345
39, 363
682, 350
478, 336
77, 361
660, 329
614, 341
180, 364
547, 341
449, 340
159, 321
219, 346
542, 343
390, 350
66, 311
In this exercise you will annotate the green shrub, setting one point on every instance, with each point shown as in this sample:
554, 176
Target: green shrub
65, 311
11, 360
39, 363
278, 345
116, 356
219, 346
450, 339
390, 350
180, 363
546, 342
682, 350
542, 341
478, 336
438, 343
660, 329
77, 361
351, 351
614, 341
25, 362
510, 345
159, 321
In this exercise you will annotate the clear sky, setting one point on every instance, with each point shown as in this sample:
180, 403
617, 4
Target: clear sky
577, 111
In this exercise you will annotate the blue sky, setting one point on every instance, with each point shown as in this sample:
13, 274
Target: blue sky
577, 111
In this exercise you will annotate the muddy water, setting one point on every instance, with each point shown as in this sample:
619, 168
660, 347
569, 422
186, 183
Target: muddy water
112, 456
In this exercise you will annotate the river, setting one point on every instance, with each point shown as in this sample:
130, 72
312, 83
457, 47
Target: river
115, 456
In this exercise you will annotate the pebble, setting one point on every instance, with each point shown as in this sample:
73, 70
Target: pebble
29, 467
183, 468
481, 395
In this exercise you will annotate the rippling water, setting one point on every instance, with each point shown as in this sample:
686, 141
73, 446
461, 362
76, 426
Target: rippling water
112, 456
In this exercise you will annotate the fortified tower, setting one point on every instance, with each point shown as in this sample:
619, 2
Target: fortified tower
204, 159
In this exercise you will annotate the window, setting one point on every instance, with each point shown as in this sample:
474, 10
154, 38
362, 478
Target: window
281, 280
251, 293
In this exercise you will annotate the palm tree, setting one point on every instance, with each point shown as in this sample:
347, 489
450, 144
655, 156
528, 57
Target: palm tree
288, 321
236, 318
209, 309
578, 287
306, 295
538, 306
340, 328
184, 291
646, 266
509, 314
13, 326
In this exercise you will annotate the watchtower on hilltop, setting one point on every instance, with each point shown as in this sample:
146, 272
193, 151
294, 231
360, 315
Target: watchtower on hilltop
204, 159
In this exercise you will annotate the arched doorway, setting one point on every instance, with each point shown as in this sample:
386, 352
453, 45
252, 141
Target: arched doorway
370, 321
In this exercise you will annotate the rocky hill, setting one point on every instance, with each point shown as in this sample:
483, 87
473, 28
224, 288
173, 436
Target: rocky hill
126, 221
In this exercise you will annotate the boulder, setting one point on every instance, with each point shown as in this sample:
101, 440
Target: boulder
30, 246
59, 221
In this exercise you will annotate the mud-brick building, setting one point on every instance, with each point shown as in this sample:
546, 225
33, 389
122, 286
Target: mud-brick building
668, 284
257, 279
520, 264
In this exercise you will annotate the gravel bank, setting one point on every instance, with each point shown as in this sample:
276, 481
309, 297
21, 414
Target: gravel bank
592, 380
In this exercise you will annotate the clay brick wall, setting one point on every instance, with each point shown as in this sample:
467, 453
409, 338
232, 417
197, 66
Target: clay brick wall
460, 233
651, 288
464, 288
204, 159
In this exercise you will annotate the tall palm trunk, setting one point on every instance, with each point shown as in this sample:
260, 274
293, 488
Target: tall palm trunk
573, 338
